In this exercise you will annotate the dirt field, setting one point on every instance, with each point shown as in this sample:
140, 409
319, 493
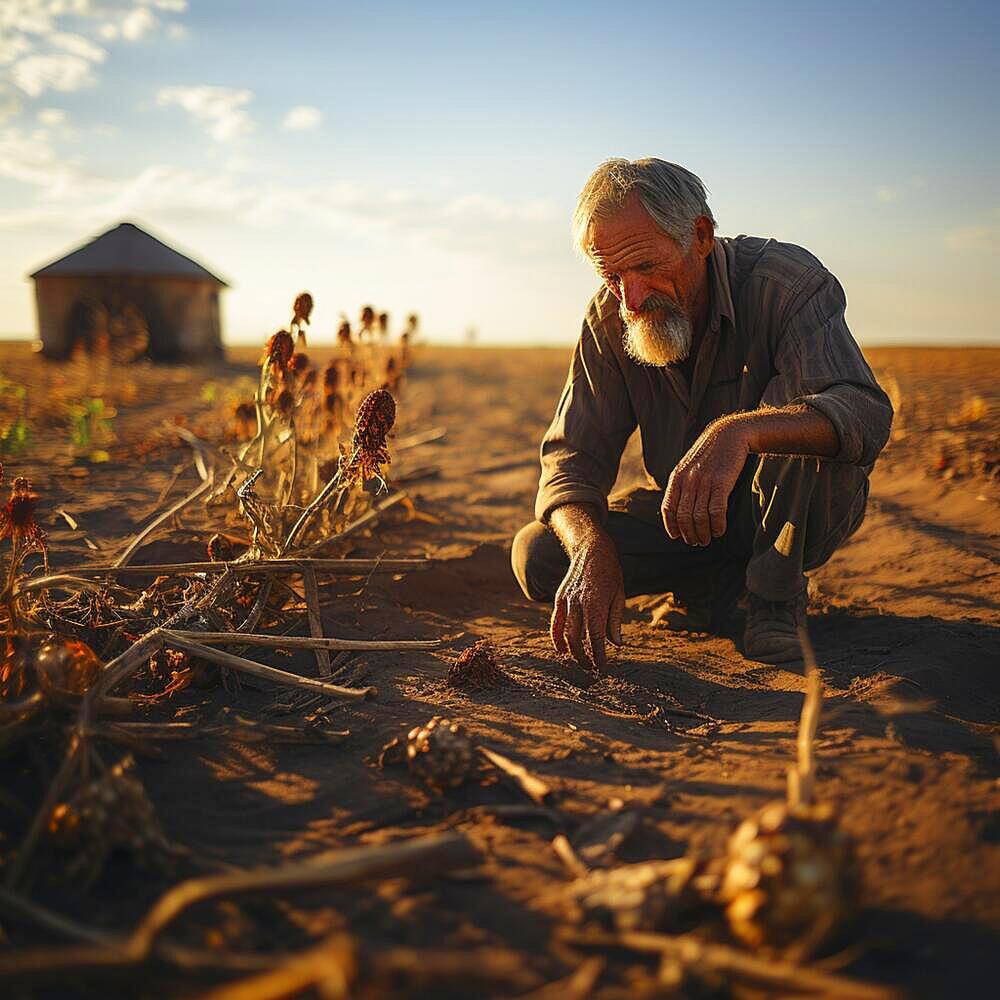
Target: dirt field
905, 618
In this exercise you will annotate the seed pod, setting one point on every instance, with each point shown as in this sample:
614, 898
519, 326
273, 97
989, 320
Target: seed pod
376, 416
440, 753
789, 878
66, 666
302, 309
17, 517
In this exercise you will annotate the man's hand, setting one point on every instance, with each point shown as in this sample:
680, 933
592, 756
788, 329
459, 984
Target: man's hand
589, 604
694, 506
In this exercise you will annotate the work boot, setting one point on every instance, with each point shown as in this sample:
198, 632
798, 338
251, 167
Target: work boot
771, 634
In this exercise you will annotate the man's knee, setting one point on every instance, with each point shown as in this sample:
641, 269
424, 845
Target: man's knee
538, 561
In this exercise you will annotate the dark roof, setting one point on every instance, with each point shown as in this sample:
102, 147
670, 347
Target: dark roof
126, 249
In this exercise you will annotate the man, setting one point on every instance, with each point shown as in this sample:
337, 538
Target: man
760, 420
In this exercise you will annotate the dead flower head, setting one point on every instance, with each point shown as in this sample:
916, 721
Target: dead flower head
302, 309
17, 518
331, 376
298, 363
344, 332
376, 415
279, 351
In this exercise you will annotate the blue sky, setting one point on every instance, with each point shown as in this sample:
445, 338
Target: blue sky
428, 159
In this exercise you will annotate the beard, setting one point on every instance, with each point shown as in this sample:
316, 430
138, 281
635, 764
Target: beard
658, 334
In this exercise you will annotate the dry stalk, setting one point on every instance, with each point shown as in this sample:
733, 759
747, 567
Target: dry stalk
414, 858
311, 591
802, 777
334, 963
176, 508
264, 672
334, 567
698, 957
533, 787
305, 642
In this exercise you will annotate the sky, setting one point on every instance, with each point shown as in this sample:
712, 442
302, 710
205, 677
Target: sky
426, 157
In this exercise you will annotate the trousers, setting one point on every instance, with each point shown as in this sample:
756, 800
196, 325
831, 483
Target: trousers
786, 515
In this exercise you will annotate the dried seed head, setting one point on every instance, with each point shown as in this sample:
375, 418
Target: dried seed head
279, 351
383, 323
367, 317
17, 518
331, 376
299, 363
344, 332
376, 415
302, 309
440, 753
66, 666
789, 877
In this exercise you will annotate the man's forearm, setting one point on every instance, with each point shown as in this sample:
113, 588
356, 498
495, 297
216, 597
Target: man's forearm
793, 430
575, 525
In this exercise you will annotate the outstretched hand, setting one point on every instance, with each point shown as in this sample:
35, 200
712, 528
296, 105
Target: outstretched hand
697, 496
589, 604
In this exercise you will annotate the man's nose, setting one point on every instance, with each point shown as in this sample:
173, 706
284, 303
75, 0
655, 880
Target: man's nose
634, 292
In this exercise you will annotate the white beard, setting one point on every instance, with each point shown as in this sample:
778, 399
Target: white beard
659, 335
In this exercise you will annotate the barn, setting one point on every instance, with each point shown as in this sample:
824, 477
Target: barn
132, 293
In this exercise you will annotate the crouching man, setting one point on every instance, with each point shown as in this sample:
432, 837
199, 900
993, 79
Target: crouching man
760, 420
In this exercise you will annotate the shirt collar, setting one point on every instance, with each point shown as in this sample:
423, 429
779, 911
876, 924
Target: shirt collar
718, 283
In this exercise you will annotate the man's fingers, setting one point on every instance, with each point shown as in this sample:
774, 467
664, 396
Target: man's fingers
595, 643
700, 520
685, 514
669, 508
557, 626
574, 636
717, 504
615, 617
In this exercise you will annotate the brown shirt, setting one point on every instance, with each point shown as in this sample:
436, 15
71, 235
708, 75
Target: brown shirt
776, 336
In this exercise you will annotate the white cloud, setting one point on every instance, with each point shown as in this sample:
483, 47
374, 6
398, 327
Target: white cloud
971, 239
221, 111
302, 118
38, 53
77, 45
137, 23
39, 73
51, 117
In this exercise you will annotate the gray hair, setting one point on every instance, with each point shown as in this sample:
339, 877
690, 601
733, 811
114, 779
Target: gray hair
673, 197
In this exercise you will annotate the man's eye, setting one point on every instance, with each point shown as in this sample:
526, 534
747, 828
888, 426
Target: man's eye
644, 268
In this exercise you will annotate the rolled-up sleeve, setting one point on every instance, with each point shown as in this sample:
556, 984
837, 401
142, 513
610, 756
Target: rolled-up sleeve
583, 446
819, 363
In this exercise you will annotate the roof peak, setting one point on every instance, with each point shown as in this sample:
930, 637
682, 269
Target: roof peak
128, 249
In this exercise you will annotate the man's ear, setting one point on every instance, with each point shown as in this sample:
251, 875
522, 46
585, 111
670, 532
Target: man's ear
704, 236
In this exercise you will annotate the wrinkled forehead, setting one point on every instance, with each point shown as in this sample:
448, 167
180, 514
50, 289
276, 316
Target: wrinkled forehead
624, 234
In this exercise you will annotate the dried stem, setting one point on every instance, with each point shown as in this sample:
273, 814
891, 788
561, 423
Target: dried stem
802, 777
341, 567
261, 670
176, 508
311, 591
415, 857
304, 641
787, 978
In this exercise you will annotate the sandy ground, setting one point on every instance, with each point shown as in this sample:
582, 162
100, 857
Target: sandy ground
906, 621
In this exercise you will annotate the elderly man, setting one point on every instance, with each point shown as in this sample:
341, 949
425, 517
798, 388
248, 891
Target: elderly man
760, 420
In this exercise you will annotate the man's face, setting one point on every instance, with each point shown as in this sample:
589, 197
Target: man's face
659, 285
